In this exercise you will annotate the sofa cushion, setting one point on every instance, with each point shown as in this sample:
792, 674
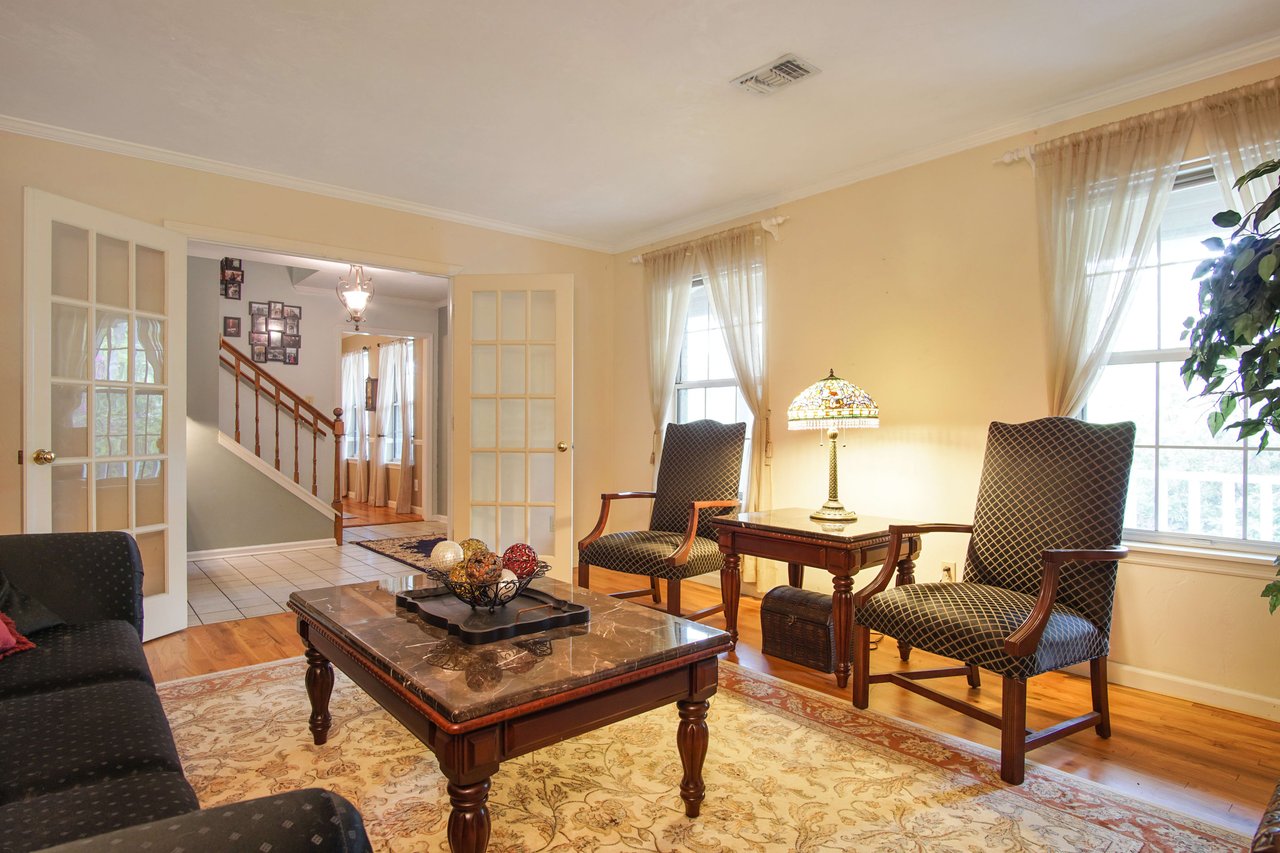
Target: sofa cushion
56, 740
88, 810
75, 656
26, 612
11, 641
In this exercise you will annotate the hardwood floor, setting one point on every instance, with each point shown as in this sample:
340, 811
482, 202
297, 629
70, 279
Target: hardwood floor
367, 515
1217, 765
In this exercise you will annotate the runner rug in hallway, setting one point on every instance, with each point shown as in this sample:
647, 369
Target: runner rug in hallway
411, 550
788, 769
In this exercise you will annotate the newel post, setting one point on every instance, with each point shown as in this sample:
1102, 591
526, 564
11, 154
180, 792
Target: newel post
339, 430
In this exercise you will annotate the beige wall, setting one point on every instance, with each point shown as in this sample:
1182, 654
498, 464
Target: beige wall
155, 193
922, 286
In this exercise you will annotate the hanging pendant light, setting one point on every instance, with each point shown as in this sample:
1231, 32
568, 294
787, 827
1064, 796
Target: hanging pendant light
354, 292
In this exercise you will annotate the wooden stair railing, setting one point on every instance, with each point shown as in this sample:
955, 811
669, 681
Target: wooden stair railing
304, 416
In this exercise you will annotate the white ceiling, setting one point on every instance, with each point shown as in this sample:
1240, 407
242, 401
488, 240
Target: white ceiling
317, 275
602, 123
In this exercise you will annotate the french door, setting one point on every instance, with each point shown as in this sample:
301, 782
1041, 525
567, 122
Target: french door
513, 413
104, 397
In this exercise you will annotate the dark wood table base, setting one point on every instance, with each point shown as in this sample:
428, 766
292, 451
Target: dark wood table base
470, 753
790, 537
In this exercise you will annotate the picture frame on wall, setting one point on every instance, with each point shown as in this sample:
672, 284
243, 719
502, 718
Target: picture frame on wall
258, 309
231, 327
290, 355
370, 394
275, 310
275, 324
275, 339
258, 339
275, 354
291, 325
233, 290
294, 311
289, 341
258, 323
258, 354
231, 264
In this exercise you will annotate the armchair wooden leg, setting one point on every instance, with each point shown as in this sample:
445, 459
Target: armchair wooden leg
584, 575
673, 597
861, 666
1098, 684
657, 590
975, 677
1013, 731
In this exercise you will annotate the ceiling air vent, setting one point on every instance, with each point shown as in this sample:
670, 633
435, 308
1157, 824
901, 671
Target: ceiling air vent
782, 72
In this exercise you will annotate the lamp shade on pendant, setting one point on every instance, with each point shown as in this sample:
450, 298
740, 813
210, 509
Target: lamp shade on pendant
833, 403
354, 292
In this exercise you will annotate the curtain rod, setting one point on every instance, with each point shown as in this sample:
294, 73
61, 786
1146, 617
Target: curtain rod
770, 225
1015, 155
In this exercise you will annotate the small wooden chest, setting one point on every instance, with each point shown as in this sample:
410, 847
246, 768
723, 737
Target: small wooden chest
797, 626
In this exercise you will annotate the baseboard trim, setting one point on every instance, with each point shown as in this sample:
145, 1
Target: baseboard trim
1201, 692
266, 548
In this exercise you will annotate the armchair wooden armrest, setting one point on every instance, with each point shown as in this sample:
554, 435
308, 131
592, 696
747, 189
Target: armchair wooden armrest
898, 532
681, 554
1024, 640
605, 500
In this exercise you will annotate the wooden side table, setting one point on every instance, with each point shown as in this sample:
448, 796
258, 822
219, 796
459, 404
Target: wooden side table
791, 537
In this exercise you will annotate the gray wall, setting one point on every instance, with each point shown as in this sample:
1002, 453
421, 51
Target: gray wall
225, 495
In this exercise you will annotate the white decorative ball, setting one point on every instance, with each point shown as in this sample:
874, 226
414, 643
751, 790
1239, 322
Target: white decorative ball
446, 554
508, 577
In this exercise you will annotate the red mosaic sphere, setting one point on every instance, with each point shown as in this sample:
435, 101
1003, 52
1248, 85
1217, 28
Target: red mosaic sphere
520, 559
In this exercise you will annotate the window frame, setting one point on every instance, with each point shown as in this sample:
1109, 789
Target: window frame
1192, 173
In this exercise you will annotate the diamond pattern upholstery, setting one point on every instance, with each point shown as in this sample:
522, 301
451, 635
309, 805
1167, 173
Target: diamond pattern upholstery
1050, 483
701, 461
646, 552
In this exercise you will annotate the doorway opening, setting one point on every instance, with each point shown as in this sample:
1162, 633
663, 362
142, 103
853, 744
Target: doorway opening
388, 404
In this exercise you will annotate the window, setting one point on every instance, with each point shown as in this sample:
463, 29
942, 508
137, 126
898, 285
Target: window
396, 439
1187, 486
705, 384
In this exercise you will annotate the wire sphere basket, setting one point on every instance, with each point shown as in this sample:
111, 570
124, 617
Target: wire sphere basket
487, 595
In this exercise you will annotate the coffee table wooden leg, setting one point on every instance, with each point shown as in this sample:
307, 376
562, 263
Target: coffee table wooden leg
906, 575
319, 688
692, 739
730, 589
469, 820
842, 622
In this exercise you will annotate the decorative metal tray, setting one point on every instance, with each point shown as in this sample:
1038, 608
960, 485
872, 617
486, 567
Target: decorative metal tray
529, 612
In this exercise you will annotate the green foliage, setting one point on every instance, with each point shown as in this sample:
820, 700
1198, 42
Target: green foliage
1240, 321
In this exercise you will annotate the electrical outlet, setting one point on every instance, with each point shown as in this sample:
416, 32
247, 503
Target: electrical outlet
948, 572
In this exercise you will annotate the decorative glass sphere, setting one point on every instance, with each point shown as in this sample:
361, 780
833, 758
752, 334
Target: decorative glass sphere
446, 554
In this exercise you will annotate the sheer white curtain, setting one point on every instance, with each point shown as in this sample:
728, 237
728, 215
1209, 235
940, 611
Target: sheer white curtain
355, 368
393, 416
1242, 129
1100, 195
732, 266
668, 282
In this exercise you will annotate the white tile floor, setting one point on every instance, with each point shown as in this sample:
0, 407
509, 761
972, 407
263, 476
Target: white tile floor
259, 584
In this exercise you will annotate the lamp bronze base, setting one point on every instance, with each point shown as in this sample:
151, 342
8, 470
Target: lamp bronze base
833, 511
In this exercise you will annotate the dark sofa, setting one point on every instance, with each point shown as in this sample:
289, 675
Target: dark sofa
85, 748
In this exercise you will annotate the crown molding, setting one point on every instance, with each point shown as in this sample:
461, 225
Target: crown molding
1130, 90
263, 176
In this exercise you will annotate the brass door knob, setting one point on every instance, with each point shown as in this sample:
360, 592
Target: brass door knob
43, 457
562, 447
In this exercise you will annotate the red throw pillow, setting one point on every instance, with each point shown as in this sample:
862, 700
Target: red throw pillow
11, 642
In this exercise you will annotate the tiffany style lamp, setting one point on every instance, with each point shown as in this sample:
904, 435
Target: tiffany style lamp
833, 404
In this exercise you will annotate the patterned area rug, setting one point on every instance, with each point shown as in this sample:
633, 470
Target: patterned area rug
787, 769
411, 550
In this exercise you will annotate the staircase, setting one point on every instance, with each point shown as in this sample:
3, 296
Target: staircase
271, 403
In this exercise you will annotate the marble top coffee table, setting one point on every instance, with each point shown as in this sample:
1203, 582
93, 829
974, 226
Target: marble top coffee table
475, 706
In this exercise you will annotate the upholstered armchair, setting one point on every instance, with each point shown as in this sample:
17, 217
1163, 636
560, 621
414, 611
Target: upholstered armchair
697, 479
1038, 585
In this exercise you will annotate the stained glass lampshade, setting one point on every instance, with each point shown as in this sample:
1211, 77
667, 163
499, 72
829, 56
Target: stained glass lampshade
833, 404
